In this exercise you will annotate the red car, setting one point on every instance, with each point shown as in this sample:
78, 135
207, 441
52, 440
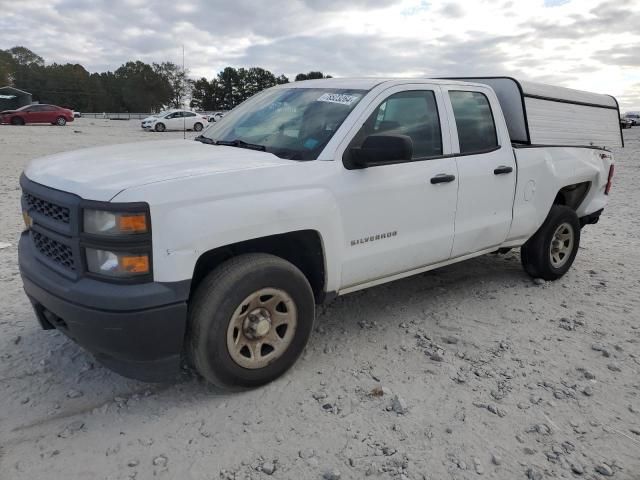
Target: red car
38, 113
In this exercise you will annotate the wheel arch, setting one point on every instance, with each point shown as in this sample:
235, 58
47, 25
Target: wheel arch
572, 195
303, 248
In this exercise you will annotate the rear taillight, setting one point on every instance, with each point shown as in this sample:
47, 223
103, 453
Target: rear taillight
609, 180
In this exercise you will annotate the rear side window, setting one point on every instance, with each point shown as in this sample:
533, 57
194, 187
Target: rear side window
474, 120
412, 113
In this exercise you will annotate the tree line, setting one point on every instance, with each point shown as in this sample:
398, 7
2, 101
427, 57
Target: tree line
135, 86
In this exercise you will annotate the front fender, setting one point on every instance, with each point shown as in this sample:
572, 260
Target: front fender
186, 224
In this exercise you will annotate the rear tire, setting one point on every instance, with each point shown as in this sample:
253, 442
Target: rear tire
17, 121
160, 127
249, 321
550, 252
197, 127
61, 121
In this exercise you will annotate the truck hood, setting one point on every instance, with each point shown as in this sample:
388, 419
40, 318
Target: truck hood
101, 173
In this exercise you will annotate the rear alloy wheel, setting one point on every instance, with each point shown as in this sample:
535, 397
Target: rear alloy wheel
160, 127
249, 321
17, 121
61, 121
197, 127
550, 252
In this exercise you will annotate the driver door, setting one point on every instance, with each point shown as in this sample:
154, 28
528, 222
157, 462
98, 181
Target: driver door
174, 121
400, 217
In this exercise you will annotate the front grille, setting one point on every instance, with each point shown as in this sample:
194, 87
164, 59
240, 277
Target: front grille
54, 250
46, 208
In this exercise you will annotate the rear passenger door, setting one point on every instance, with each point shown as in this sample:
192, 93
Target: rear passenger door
189, 120
486, 169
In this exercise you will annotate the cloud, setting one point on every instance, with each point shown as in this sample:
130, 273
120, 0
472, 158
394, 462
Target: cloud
587, 44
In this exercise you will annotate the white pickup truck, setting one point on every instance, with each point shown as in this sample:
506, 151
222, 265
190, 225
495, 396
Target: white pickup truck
221, 248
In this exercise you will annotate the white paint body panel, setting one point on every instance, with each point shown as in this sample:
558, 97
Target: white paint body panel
203, 197
556, 123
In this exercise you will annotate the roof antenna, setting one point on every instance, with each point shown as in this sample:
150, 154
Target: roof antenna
184, 120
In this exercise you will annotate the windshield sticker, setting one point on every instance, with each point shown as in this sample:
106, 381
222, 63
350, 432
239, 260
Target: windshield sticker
310, 143
341, 98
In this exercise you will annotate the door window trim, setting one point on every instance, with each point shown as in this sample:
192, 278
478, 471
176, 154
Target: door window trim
493, 119
435, 92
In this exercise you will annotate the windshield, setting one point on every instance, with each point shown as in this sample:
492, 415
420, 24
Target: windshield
293, 123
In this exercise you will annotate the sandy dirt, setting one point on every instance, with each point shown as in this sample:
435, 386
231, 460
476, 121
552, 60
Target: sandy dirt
483, 373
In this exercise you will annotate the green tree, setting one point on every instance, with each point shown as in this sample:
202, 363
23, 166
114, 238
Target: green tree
24, 56
143, 89
206, 95
177, 80
7, 68
311, 76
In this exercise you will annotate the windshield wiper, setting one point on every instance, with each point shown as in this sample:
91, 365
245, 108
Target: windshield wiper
241, 144
203, 139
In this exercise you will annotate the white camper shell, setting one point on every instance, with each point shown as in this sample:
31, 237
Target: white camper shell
539, 114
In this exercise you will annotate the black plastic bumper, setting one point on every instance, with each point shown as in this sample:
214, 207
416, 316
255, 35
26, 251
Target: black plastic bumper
591, 219
135, 330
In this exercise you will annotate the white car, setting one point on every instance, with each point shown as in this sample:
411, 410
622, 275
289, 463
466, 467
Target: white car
634, 117
220, 248
174, 120
215, 117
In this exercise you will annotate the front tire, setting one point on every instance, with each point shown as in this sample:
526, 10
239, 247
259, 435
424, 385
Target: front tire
551, 251
197, 127
160, 127
249, 321
17, 121
61, 121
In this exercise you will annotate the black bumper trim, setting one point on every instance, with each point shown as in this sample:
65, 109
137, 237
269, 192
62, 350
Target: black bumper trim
591, 219
145, 344
135, 330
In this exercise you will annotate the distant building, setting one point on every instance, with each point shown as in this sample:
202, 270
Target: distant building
12, 98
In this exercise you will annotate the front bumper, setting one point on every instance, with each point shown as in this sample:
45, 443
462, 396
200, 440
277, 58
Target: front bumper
136, 330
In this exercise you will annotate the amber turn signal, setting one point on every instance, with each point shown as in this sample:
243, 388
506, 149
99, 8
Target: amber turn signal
134, 263
117, 264
135, 223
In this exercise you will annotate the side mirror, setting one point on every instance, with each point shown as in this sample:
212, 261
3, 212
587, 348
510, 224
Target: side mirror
381, 150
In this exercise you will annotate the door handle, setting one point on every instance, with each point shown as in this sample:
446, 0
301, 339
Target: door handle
502, 169
443, 178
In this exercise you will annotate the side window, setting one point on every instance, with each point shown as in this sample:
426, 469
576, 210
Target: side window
474, 119
412, 113
188, 114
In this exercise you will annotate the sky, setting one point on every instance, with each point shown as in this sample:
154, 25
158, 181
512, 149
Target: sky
591, 45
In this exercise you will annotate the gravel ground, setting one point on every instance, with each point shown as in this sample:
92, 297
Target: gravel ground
470, 371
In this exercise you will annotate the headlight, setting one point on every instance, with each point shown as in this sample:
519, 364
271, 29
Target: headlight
102, 222
117, 264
